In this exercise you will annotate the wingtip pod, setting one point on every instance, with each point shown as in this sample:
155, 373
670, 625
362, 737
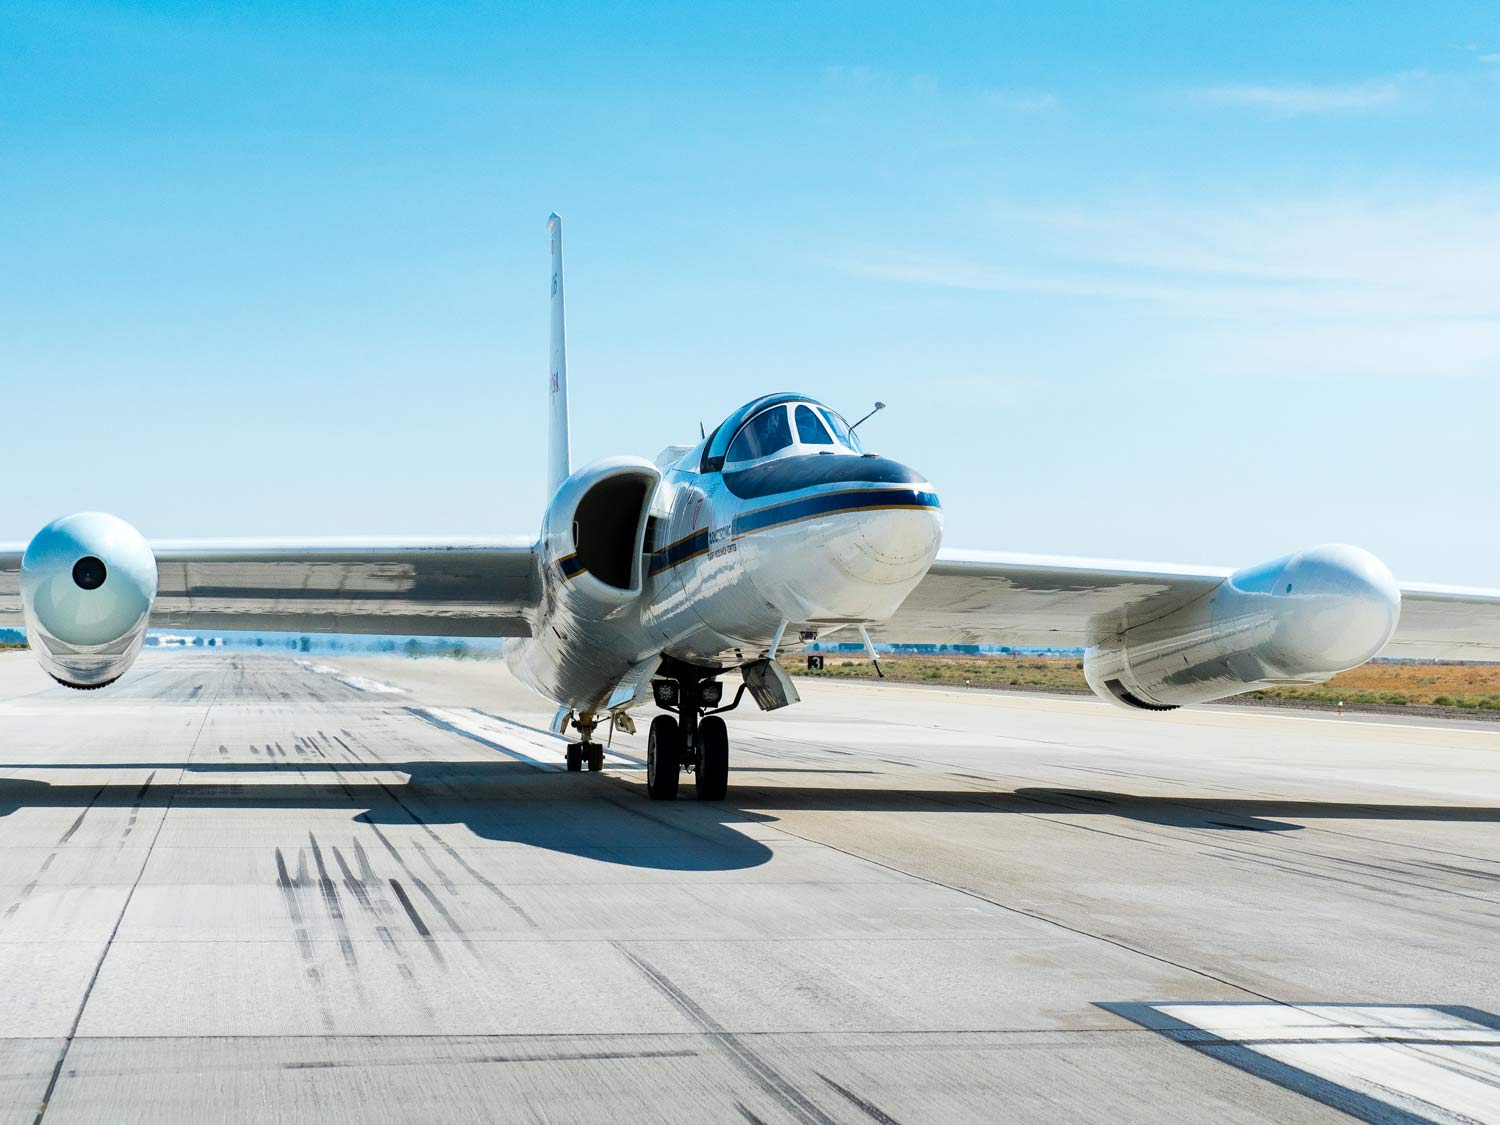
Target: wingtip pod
88, 582
1343, 607
1299, 619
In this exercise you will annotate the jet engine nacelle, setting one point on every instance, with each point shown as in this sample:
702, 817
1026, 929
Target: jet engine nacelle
87, 584
594, 533
1296, 620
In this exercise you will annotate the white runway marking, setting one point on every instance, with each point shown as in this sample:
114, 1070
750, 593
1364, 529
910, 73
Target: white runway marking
1357, 719
374, 687
543, 750
358, 683
1376, 1062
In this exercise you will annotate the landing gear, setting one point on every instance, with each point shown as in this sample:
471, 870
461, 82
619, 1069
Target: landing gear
663, 758
696, 740
587, 751
713, 759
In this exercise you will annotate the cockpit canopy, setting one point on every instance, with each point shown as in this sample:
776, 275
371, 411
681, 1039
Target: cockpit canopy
776, 425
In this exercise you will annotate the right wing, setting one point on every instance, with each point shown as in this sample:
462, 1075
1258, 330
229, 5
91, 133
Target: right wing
444, 588
993, 598
1447, 623
1043, 601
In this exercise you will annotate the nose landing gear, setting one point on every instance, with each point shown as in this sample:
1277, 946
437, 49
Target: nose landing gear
696, 740
586, 750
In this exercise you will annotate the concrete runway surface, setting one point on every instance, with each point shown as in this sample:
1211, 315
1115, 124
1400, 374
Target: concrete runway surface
266, 888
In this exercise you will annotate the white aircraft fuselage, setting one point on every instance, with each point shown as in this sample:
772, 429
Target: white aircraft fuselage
730, 557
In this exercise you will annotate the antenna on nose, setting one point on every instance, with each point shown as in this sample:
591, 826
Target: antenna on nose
879, 406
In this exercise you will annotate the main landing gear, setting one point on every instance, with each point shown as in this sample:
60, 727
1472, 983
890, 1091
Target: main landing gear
586, 750
696, 739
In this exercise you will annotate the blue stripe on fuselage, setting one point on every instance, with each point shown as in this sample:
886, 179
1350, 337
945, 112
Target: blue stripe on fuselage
794, 511
786, 475
832, 503
686, 548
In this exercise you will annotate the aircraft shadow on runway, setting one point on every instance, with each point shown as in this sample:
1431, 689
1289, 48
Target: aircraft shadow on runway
1250, 814
606, 817
600, 817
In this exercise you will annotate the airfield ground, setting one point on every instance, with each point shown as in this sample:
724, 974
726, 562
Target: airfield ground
246, 888
1384, 686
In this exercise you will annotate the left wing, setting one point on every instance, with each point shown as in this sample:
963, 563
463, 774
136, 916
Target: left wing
445, 588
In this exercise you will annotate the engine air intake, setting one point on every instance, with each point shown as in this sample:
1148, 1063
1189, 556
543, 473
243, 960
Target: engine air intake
607, 525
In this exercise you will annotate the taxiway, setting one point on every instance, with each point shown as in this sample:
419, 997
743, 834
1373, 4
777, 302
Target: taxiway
259, 887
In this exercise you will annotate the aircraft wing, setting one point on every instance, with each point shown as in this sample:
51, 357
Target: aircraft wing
449, 588
991, 598
10, 587
1447, 623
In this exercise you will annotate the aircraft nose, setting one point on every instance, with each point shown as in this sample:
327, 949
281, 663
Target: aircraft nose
892, 538
850, 551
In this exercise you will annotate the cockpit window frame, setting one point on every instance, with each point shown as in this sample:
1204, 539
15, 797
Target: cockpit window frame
786, 435
716, 445
819, 425
843, 433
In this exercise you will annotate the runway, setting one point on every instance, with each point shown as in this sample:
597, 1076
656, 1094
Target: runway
276, 888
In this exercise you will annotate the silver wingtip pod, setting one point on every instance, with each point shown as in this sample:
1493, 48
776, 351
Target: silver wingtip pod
87, 585
1343, 606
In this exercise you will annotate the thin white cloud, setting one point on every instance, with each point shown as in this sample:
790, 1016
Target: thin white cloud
1019, 101
870, 79
1442, 249
854, 75
1293, 100
873, 78
1495, 58
1352, 285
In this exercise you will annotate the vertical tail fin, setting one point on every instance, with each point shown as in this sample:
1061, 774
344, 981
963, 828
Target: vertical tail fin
559, 465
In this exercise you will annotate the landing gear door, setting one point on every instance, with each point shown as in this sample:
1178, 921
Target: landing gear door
770, 686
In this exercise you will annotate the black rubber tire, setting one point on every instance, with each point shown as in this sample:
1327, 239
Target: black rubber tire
663, 758
596, 759
713, 759
575, 757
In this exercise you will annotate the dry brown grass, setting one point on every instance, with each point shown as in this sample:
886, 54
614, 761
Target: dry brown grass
1058, 673
1461, 686
1464, 686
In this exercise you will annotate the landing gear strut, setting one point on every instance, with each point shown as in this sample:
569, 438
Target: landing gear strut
696, 740
586, 750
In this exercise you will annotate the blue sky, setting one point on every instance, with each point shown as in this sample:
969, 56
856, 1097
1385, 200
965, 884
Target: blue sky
1184, 282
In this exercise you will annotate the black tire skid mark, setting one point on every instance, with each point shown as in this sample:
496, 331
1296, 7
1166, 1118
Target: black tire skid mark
771, 1082
135, 808
452, 852
371, 879
868, 1108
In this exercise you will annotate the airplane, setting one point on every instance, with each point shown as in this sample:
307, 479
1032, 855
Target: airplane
652, 580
